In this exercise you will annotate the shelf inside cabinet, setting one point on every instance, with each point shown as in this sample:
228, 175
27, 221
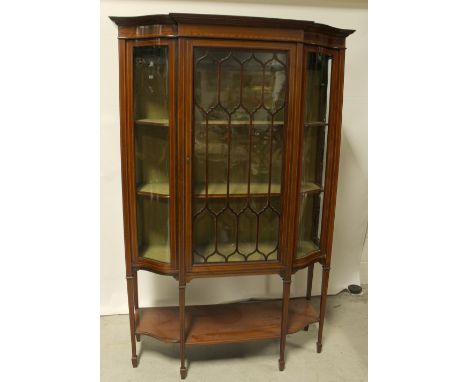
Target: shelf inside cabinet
159, 190
239, 190
162, 122
219, 190
225, 323
236, 190
158, 252
309, 188
315, 124
306, 247
225, 122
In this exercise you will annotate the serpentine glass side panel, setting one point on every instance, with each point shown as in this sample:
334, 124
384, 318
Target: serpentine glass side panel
239, 116
313, 153
151, 131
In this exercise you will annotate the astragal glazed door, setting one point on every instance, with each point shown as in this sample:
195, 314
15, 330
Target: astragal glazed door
316, 146
151, 151
239, 122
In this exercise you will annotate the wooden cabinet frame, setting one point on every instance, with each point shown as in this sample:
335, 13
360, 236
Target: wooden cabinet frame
181, 33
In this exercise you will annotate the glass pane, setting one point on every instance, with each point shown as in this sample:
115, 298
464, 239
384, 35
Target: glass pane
151, 130
239, 112
313, 152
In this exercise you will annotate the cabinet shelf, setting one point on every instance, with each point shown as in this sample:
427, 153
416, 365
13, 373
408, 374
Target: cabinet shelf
239, 190
314, 124
236, 190
154, 190
241, 123
162, 122
158, 252
306, 247
310, 188
225, 323
219, 190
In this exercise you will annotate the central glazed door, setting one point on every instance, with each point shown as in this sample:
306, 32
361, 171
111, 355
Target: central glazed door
239, 120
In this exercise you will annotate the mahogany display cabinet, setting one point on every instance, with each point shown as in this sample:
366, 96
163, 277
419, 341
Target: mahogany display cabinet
230, 142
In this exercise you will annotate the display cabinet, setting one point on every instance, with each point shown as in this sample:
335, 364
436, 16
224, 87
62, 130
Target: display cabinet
230, 140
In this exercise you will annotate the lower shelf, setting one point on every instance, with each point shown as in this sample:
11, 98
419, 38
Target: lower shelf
225, 323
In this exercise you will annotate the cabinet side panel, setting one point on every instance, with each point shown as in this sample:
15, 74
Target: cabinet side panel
315, 153
151, 136
181, 156
124, 155
335, 116
295, 151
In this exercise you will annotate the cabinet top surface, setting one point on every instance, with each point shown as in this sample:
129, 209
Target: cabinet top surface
223, 20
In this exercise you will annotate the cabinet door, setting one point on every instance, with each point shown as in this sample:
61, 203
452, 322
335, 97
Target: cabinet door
151, 150
314, 132
239, 122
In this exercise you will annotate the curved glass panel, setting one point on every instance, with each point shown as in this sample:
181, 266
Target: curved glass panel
314, 144
151, 131
238, 130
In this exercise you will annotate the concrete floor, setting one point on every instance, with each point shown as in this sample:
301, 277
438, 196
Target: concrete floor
343, 357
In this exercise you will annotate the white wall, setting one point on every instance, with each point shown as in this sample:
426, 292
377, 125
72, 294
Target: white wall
351, 211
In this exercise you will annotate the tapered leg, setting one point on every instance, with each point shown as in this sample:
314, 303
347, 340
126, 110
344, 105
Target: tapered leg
131, 310
323, 304
135, 298
183, 369
310, 275
284, 321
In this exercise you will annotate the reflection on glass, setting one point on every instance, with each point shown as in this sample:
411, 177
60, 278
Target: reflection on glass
150, 78
150, 94
239, 111
313, 153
